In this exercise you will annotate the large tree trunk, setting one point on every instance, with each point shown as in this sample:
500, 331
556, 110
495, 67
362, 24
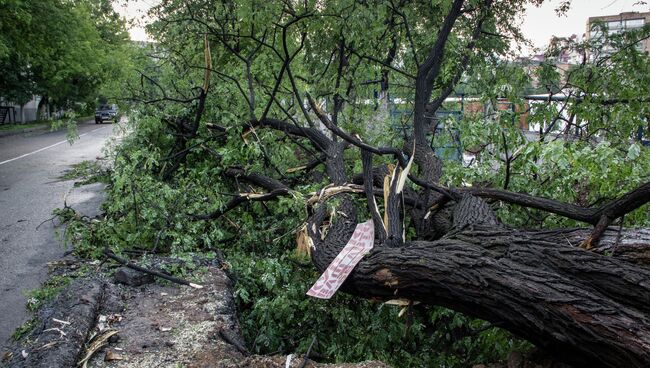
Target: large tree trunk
576, 304
587, 308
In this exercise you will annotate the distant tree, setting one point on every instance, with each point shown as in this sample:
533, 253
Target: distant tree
62, 51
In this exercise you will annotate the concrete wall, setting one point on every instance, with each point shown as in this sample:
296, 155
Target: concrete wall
29, 111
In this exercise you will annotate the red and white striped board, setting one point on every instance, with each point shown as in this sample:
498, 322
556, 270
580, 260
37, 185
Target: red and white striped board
358, 246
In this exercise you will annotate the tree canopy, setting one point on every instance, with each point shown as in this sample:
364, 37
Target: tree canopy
62, 50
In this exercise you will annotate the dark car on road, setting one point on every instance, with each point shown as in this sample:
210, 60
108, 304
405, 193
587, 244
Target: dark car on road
106, 113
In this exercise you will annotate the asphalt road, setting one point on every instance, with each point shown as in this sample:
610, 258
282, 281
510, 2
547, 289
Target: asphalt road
30, 188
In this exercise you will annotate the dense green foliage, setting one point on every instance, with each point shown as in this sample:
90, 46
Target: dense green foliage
588, 148
69, 52
150, 210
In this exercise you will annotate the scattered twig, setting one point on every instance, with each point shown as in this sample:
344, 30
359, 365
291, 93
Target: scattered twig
48, 220
57, 330
48, 345
97, 343
306, 358
60, 321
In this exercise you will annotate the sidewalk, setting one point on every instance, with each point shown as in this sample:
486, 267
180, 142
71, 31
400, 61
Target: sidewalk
44, 126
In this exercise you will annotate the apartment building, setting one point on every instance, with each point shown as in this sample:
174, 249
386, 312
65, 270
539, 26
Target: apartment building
615, 24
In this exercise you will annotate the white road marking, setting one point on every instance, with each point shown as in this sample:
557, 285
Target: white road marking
48, 147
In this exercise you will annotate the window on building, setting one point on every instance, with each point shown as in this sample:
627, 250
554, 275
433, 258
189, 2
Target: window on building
634, 23
617, 24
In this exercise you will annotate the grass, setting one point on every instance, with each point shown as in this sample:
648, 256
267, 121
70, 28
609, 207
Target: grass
24, 329
8, 127
37, 297
35, 124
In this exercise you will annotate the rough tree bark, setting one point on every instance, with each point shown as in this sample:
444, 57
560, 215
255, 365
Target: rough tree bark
583, 307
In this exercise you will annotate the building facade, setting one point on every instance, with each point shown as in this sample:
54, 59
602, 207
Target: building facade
615, 24
11, 112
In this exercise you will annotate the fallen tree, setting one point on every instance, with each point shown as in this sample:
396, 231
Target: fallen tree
297, 71
588, 309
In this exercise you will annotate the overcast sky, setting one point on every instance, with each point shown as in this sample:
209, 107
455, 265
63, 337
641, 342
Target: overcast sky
539, 24
542, 23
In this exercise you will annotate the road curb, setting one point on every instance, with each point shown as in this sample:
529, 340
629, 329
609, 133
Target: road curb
61, 328
24, 131
45, 129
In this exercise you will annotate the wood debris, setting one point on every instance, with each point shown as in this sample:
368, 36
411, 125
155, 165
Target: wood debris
96, 343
